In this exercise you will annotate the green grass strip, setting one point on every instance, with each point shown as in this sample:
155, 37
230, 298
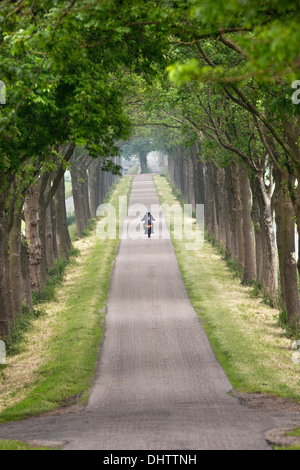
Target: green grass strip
6, 444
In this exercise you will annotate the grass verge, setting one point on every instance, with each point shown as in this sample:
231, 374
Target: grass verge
294, 433
59, 352
243, 331
6, 444
15, 343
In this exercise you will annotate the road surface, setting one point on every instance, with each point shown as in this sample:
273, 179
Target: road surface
158, 385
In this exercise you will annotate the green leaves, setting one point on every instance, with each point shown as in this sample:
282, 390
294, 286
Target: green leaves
185, 72
59, 81
78, 69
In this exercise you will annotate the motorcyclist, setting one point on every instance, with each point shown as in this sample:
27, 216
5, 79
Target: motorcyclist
148, 220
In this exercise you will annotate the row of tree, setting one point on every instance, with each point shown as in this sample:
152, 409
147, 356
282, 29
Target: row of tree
251, 216
67, 68
35, 229
82, 77
229, 121
238, 215
250, 190
250, 196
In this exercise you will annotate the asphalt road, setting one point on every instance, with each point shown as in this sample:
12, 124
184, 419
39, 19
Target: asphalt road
158, 385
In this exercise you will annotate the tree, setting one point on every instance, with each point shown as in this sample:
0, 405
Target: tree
139, 147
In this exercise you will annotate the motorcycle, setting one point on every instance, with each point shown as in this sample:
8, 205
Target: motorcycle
148, 225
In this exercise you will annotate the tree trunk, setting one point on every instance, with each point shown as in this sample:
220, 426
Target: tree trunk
47, 235
269, 265
296, 204
8, 282
63, 240
171, 168
255, 215
238, 213
102, 186
228, 212
198, 178
4, 323
191, 183
249, 263
215, 201
93, 179
79, 215
209, 205
49, 244
15, 261
32, 223
143, 162
234, 233
25, 273
289, 271
285, 232
53, 228
222, 207
85, 194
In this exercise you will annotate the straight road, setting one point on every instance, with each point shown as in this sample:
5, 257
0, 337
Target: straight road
158, 385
